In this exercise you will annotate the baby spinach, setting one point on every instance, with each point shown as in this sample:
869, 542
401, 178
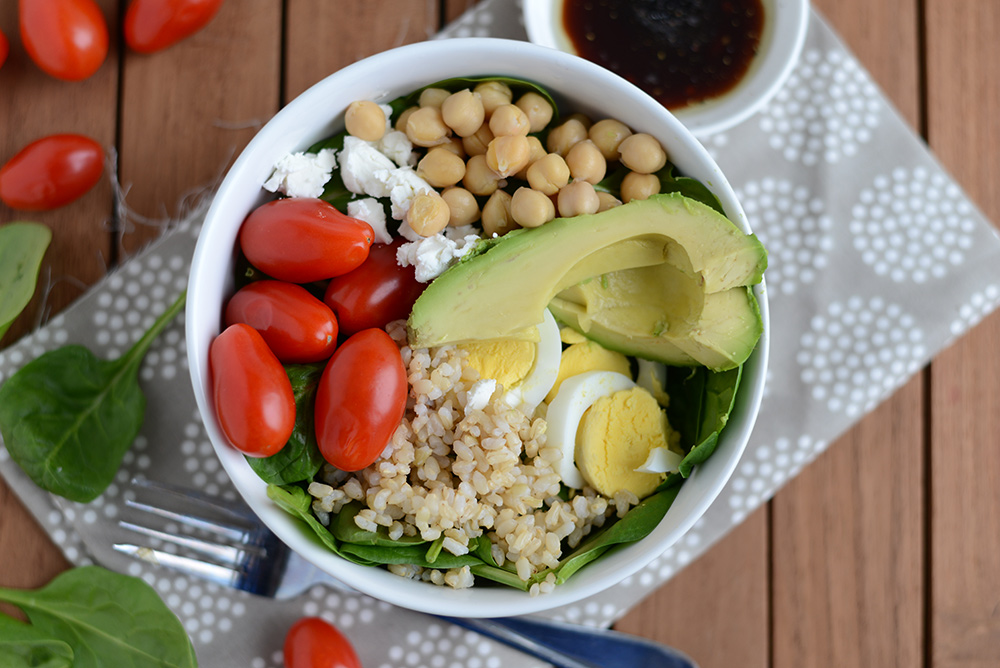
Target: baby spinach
300, 459
346, 530
22, 246
102, 618
67, 417
700, 404
669, 183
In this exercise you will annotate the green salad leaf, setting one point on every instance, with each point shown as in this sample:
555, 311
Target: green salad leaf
22, 246
700, 404
670, 182
344, 529
67, 417
517, 86
103, 618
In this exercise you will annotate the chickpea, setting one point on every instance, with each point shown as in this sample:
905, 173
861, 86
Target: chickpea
583, 118
404, 117
496, 215
562, 138
586, 163
463, 112
478, 142
607, 135
508, 119
537, 109
365, 120
508, 155
607, 201
493, 94
577, 198
642, 153
531, 208
462, 204
639, 186
441, 168
537, 151
454, 144
425, 127
548, 174
479, 179
428, 214
432, 97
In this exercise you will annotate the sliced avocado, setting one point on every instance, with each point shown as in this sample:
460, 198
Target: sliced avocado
503, 287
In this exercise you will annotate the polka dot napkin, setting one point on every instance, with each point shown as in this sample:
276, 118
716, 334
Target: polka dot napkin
877, 261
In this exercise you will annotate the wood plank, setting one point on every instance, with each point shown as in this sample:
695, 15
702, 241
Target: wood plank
962, 74
847, 538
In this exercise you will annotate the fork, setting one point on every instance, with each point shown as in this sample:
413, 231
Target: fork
243, 554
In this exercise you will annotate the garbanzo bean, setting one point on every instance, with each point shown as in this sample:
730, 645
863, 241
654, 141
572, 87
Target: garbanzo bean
509, 119
479, 179
462, 204
496, 217
428, 214
463, 112
432, 97
508, 154
404, 117
425, 127
639, 186
606, 201
493, 94
365, 120
454, 144
441, 168
586, 163
642, 153
479, 141
577, 198
536, 151
531, 208
564, 137
548, 174
537, 109
607, 135
583, 118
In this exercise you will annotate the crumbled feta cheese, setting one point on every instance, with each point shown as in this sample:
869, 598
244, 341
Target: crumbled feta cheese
370, 210
460, 232
396, 146
430, 256
387, 110
404, 185
364, 170
478, 396
302, 174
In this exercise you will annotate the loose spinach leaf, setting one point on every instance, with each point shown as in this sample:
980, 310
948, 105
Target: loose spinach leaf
344, 529
300, 459
67, 417
22, 246
24, 646
107, 619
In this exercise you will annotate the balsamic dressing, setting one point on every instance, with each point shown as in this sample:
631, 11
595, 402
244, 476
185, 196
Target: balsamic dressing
678, 51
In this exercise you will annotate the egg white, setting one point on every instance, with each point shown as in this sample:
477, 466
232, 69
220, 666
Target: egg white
530, 392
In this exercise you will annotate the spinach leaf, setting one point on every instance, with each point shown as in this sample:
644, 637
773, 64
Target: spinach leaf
408, 554
22, 246
669, 183
24, 646
106, 619
700, 404
297, 502
344, 529
300, 459
67, 417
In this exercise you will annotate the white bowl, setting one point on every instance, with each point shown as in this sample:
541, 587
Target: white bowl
785, 24
318, 113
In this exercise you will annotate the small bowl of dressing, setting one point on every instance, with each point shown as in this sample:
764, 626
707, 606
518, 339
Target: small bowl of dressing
712, 63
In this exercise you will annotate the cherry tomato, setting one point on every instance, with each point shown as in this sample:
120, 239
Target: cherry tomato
374, 294
253, 396
68, 39
297, 327
152, 25
360, 400
4, 48
314, 643
50, 172
300, 240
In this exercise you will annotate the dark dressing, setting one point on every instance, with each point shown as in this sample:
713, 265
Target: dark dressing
678, 51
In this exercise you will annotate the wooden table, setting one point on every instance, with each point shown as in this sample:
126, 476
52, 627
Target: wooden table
884, 552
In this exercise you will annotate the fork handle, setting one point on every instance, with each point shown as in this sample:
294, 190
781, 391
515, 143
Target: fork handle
575, 646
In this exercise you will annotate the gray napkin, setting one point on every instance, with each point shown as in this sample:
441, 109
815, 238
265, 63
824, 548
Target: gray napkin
878, 261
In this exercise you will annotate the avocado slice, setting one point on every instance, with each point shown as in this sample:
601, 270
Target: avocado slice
502, 288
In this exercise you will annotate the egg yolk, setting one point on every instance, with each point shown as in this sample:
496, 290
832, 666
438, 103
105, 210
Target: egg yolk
588, 356
508, 361
616, 436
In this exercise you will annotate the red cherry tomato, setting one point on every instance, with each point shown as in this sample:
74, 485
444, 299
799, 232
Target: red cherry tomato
300, 240
314, 643
360, 400
4, 48
297, 327
374, 294
253, 396
68, 39
50, 172
152, 25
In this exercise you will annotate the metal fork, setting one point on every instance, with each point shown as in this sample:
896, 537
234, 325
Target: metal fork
243, 554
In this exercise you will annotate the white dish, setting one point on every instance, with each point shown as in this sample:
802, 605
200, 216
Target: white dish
785, 25
318, 113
